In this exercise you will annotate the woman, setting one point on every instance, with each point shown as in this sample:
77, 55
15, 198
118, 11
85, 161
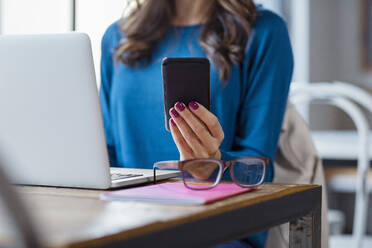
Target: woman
252, 65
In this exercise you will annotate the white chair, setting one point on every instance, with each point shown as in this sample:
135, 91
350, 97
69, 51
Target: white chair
345, 97
23, 232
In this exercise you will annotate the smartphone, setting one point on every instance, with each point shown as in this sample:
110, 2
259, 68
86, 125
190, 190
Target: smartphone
185, 80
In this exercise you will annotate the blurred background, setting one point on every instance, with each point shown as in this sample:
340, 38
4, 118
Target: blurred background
327, 36
332, 41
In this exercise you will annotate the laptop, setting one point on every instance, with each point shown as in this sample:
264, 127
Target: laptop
51, 128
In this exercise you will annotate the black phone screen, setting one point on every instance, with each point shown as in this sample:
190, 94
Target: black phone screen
185, 80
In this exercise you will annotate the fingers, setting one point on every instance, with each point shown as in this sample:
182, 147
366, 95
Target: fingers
198, 127
184, 149
188, 134
200, 170
209, 119
200, 130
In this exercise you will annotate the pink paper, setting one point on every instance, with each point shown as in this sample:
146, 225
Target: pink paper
176, 193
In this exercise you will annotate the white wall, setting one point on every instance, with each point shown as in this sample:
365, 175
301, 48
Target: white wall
327, 47
336, 35
335, 54
35, 16
349, 35
93, 18
1, 5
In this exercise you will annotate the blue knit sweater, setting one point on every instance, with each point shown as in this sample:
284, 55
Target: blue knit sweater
250, 106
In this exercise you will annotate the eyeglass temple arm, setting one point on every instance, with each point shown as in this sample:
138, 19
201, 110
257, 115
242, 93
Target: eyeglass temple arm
165, 165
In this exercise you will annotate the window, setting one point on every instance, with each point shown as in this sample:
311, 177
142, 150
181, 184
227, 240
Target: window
46, 16
35, 16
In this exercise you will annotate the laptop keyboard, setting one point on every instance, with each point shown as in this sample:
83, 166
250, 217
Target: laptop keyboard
120, 176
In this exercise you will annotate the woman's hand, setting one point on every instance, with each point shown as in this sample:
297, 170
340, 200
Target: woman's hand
196, 131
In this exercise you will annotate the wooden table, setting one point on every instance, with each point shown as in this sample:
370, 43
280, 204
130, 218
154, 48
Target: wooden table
78, 218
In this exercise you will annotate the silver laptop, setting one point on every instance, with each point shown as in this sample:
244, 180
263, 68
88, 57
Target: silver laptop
51, 129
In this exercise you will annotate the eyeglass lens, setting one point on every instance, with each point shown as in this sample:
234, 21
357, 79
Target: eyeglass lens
249, 172
200, 174
204, 174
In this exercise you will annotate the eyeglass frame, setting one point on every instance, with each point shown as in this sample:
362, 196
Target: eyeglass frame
224, 165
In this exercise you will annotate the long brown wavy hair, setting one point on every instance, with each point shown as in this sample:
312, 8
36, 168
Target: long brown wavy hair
223, 37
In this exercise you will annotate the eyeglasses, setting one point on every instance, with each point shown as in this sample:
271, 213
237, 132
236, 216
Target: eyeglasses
203, 174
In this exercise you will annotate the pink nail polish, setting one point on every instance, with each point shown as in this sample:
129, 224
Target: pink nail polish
193, 105
174, 113
180, 106
172, 122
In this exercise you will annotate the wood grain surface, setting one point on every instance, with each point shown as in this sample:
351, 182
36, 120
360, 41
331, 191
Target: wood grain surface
78, 218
